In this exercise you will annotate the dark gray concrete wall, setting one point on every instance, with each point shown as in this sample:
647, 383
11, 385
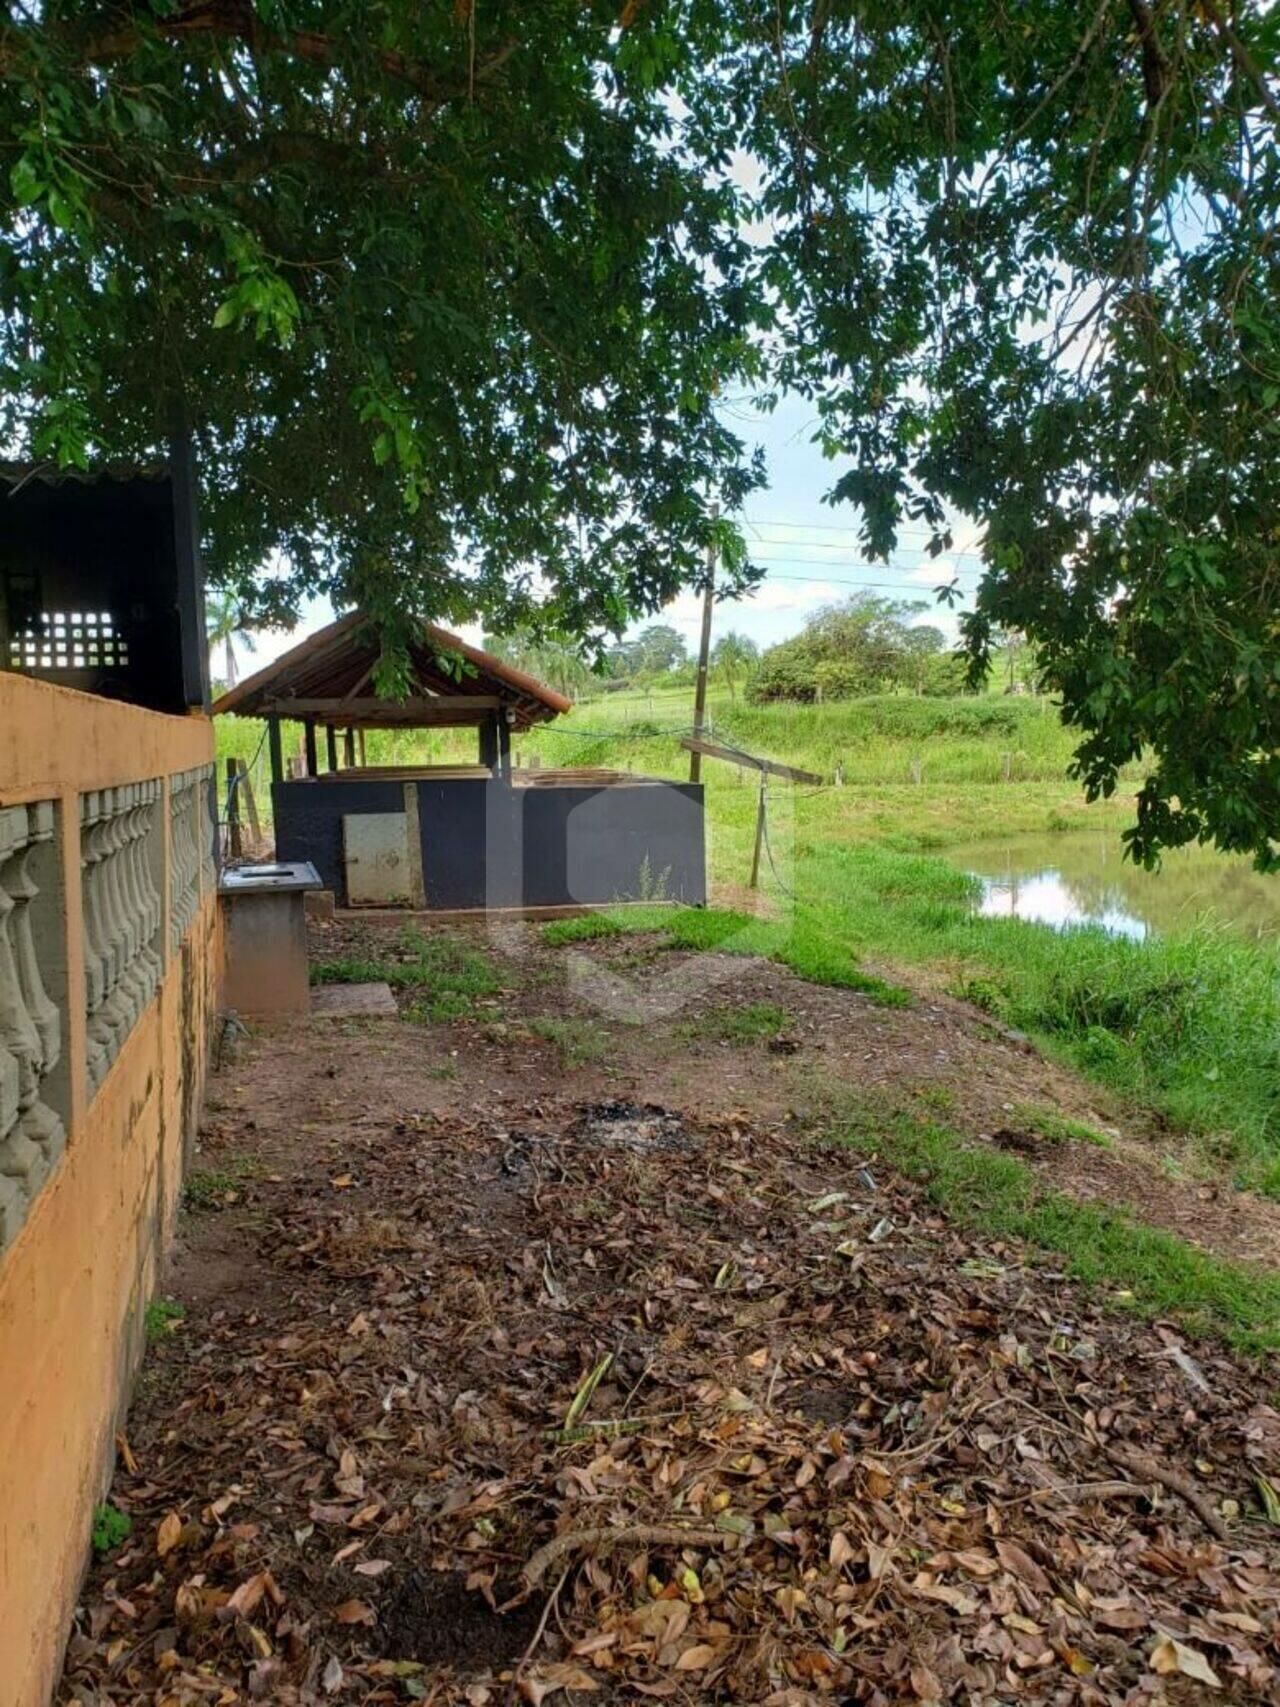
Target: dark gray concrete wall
308, 818
486, 844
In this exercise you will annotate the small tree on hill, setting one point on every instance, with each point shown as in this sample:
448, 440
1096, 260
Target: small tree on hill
861, 646
733, 657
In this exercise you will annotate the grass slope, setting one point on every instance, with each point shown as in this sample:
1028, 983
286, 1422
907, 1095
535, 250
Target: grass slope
1186, 1025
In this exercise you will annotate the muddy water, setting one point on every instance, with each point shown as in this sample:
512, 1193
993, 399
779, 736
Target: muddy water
1081, 878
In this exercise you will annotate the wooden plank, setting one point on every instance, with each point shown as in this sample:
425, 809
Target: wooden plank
250, 805
731, 756
413, 840
393, 710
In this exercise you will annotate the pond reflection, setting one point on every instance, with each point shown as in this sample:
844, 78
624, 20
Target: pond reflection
1082, 879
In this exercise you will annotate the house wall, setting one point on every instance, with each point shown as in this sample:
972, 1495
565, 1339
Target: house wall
489, 844
109, 961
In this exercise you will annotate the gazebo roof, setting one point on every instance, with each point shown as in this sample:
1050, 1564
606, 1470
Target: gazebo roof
328, 678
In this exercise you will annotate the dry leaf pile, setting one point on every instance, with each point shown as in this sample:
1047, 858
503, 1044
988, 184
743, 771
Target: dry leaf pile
601, 1406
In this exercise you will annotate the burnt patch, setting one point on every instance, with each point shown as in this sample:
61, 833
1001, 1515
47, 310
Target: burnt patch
634, 1126
1018, 1141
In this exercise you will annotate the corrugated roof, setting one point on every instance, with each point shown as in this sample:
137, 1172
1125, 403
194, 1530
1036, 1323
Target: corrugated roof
16, 475
338, 663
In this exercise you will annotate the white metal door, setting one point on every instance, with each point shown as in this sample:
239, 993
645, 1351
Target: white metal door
375, 851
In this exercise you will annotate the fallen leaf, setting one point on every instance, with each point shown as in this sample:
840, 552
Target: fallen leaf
697, 1658
1170, 1656
354, 1612
168, 1533
1019, 1563
333, 1678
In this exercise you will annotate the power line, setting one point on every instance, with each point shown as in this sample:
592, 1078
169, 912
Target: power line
839, 546
874, 569
871, 586
847, 527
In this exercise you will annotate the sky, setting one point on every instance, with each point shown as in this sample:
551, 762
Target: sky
810, 550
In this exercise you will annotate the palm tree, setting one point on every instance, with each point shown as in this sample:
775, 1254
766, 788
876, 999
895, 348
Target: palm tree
734, 656
224, 624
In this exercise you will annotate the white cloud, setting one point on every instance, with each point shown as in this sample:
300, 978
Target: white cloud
938, 573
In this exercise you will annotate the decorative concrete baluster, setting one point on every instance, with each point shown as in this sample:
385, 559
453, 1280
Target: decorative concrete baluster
14, 1043
114, 1018
191, 821
127, 908
97, 1055
40, 1123
179, 804
144, 821
94, 975
99, 982
206, 827
137, 920
184, 794
115, 929
31, 1135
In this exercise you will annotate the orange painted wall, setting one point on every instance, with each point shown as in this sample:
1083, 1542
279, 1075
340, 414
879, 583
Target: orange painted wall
75, 1283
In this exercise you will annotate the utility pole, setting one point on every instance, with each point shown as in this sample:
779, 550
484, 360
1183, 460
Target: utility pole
704, 655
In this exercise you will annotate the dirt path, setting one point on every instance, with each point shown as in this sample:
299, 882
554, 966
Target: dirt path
838, 1450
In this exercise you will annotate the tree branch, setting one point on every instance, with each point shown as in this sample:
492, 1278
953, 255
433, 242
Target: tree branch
237, 20
1243, 58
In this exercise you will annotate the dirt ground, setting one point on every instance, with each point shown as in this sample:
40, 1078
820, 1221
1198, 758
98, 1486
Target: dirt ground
556, 1352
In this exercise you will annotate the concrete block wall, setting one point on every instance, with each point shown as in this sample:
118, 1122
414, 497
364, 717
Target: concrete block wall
109, 967
488, 844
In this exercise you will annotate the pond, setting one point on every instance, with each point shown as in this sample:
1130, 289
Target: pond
1080, 877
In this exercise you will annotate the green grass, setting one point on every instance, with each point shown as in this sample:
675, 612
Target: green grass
577, 1040
447, 976
719, 930
755, 1022
1060, 1128
1152, 1271
1185, 1025
111, 1528
209, 1188
161, 1318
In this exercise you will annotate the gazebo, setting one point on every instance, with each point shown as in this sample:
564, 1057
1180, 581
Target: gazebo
462, 836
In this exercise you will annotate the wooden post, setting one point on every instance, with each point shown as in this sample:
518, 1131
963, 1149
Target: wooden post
277, 749
233, 809
349, 745
504, 745
704, 655
760, 811
331, 741
309, 735
489, 743
363, 760
250, 805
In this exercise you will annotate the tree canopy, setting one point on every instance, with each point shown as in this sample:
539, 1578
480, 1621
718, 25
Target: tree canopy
451, 294
1027, 271
443, 292
863, 645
